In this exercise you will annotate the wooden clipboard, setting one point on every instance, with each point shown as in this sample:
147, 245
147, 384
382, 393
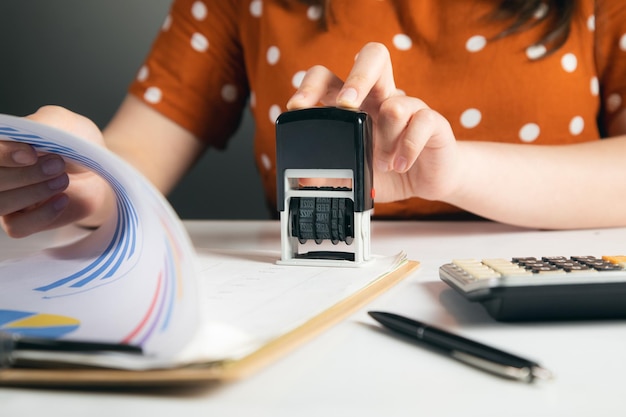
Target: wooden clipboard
213, 372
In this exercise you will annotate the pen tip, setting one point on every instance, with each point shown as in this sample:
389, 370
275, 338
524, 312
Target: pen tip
375, 314
541, 373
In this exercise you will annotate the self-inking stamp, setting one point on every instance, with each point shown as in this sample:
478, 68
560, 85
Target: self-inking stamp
324, 182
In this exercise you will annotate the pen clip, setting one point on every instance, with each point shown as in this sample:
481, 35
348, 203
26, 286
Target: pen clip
524, 373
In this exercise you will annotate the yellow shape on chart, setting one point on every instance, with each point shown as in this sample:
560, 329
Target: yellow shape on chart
43, 320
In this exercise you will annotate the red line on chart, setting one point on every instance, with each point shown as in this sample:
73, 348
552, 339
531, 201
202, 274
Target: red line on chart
145, 319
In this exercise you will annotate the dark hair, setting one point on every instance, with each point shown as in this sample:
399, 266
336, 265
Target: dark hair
522, 15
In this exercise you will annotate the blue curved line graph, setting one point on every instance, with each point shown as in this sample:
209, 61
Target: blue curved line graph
123, 242
171, 282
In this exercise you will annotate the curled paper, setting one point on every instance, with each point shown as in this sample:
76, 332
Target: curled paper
133, 280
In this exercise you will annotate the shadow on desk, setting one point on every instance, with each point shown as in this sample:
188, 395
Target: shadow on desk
462, 311
184, 390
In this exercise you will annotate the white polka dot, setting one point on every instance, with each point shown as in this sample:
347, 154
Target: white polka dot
314, 13
529, 132
541, 11
622, 42
402, 42
167, 23
275, 111
273, 55
591, 23
569, 62
576, 125
199, 42
535, 51
252, 99
198, 10
153, 95
613, 102
256, 8
475, 43
266, 162
471, 118
296, 80
594, 86
229, 93
142, 74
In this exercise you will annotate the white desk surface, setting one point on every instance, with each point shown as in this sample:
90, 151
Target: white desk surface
354, 370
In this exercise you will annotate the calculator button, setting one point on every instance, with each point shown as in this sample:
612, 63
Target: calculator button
554, 259
528, 258
576, 268
476, 268
616, 259
600, 264
506, 267
545, 268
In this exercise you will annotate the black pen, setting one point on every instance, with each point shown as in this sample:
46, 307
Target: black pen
472, 353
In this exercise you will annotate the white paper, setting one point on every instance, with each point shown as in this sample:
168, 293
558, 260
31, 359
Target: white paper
131, 281
138, 280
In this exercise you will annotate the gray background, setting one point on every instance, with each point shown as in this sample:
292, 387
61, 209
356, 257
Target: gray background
82, 54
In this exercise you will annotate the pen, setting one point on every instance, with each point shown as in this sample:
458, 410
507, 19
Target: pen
468, 351
12, 344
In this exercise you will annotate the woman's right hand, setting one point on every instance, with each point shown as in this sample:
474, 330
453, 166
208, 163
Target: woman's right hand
42, 191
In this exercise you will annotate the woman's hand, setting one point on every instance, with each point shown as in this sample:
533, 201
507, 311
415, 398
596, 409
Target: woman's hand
415, 152
42, 191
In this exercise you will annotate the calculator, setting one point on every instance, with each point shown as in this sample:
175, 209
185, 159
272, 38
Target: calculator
542, 288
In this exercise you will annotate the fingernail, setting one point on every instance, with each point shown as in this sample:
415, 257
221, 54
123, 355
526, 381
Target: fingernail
61, 202
58, 183
24, 157
347, 97
399, 164
52, 166
293, 101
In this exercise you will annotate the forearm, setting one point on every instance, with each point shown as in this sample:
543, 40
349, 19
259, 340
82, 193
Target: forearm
552, 187
154, 145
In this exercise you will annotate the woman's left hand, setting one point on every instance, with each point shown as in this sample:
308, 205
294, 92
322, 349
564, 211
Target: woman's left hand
415, 151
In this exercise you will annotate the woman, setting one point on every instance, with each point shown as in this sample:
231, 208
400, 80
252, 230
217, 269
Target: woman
492, 108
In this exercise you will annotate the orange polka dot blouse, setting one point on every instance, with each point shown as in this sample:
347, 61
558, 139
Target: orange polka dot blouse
214, 57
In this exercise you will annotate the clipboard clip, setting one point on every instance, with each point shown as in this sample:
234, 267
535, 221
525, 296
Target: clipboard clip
17, 350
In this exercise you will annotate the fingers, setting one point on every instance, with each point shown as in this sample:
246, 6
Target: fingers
46, 168
406, 126
24, 197
28, 185
68, 121
77, 199
368, 84
32, 196
371, 79
35, 190
13, 154
35, 218
319, 85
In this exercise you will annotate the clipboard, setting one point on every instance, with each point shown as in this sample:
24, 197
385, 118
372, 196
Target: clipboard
142, 261
219, 371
